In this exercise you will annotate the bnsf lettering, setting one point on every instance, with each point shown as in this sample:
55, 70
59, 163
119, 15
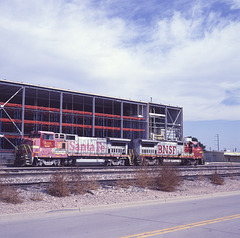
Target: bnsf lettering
167, 149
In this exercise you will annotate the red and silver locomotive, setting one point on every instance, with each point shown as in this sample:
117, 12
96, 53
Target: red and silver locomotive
49, 148
154, 152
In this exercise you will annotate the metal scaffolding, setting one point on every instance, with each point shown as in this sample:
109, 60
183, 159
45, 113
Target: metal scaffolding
25, 108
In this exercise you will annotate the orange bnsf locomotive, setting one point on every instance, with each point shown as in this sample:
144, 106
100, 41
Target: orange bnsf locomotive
44, 148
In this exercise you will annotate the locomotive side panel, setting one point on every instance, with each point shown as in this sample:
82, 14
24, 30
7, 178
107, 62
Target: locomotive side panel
117, 148
72, 141
165, 149
93, 146
87, 145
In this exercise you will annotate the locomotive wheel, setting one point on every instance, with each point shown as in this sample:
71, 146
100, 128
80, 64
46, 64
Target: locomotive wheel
73, 162
145, 162
37, 163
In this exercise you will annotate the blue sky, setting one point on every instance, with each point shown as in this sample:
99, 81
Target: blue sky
181, 52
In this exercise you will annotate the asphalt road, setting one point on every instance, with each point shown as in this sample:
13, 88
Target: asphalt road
208, 217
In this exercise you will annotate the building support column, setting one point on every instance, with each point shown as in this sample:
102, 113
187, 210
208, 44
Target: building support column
93, 117
23, 111
121, 119
166, 121
182, 138
146, 115
61, 116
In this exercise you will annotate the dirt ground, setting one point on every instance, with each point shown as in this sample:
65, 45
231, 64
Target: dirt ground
36, 199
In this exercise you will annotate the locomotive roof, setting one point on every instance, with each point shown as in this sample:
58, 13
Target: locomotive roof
46, 132
119, 139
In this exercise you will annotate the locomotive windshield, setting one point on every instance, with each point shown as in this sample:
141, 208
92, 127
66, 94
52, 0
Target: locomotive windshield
47, 137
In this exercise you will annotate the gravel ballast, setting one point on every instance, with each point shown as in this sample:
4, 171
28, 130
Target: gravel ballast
113, 195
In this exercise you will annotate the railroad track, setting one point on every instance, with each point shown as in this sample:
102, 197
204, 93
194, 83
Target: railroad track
112, 182
206, 166
218, 165
42, 176
107, 170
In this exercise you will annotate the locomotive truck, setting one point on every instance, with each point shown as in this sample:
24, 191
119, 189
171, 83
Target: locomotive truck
44, 148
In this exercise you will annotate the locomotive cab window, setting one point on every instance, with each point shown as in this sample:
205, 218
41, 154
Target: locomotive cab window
70, 137
195, 145
47, 137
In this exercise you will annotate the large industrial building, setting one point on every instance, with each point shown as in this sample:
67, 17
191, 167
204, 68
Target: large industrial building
25, 108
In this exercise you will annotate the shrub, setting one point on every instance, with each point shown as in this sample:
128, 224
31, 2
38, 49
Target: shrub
232, 175
143, 178
10, 194
75, 184
200, 177
58, 185
216, 179
91, 185
36, 196
168, 179
1, 189
124, 183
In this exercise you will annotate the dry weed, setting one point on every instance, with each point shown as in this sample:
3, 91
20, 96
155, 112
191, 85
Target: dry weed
168, 179
91, 185
37, 196
232, 175
87, 186
216, 179
124, 183
78, 186
75, 184
201, 177
10, 194
143, 178
58, 186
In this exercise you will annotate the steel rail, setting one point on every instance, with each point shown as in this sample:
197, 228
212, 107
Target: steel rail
111, 182
49, 170
100, 167
41, 176
189, 168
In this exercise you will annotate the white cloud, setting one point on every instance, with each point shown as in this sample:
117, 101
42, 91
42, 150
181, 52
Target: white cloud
189, 62
235, 4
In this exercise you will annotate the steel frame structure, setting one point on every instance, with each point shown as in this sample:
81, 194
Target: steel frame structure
26, 107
